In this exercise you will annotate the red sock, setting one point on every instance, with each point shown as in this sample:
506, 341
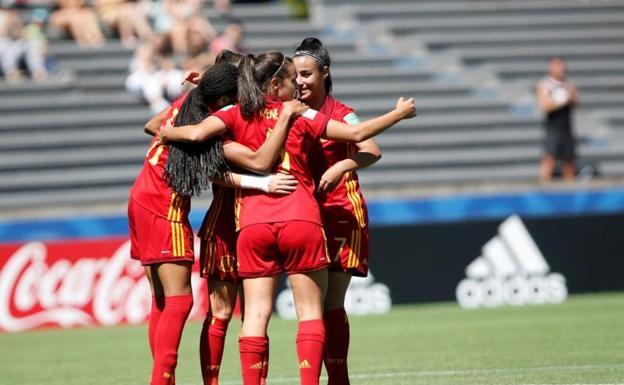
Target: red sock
252, 353
211, 348
265, 365
167, 338
337, 347
310, 348
158, 304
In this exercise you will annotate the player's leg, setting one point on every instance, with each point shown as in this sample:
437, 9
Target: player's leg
309, 292
547, 167
303, 245
222, 298
158, 303
337, 328
176, 282
253, 342
259, 267
348, 247
569, 158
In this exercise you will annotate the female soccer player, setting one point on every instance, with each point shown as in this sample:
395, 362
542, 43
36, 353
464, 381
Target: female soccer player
281, 233
218, 262
343, 209
161, 236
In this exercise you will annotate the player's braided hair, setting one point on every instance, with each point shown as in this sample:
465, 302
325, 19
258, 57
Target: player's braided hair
192, 166
256, 73
313, 47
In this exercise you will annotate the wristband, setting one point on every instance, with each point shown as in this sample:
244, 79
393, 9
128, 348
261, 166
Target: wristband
255, 182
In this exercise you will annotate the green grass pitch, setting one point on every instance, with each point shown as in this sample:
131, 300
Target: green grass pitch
579, 342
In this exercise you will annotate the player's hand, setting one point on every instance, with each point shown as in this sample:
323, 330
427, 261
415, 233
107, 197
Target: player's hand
192, 77
331, 178
162, 135
294, 107
282, 184
406, 107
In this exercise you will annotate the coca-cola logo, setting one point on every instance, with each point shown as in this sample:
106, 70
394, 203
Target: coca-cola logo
40, 289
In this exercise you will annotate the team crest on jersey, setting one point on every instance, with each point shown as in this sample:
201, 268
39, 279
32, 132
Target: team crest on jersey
351, 118
310, 114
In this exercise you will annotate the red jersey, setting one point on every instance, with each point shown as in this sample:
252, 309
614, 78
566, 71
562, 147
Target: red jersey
219, 220
254, 206
346, 201
150, 190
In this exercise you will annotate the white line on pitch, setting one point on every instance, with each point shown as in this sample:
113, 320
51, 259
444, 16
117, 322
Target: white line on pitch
434, 373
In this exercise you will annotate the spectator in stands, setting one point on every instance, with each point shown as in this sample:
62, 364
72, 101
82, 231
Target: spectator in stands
199, 58
153, 73
187, 15
230, 39
19, 43
79, 20
557, 98
126, 18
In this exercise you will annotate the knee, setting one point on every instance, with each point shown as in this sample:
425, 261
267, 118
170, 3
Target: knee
222, 312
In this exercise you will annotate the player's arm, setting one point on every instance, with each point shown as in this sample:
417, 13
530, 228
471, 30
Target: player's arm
405, 109
262, 160
274, 183
574, 95
368, 153
545, 101
206, 129
151, 126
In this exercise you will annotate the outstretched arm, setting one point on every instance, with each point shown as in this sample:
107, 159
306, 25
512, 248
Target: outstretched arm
405, 109
262, 160
368, 153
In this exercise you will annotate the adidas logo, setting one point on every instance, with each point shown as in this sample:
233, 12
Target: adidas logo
510, 271
364, 296
257, 365
305, 365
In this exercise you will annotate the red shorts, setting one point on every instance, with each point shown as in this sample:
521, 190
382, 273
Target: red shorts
154, 239
217, 259
347, 246
272, 248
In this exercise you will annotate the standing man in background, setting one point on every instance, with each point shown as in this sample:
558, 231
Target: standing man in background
557, 98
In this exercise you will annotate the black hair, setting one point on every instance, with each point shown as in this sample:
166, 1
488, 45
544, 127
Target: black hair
256, 73
229, 57
192, 166
313, 47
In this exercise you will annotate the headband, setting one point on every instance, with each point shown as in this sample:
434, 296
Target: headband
280, 67
301, 53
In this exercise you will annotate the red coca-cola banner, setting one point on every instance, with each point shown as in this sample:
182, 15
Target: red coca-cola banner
77, 283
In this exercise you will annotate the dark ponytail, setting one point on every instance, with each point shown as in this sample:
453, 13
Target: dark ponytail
256, 73
191, 167
314, 48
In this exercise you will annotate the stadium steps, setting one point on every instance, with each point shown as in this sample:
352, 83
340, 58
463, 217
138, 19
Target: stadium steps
79, 140
63, 138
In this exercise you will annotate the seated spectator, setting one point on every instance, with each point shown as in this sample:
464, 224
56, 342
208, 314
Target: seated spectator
230, 39
79, 20
199, 58
19, 43
153, 73
126, 18
187, 15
